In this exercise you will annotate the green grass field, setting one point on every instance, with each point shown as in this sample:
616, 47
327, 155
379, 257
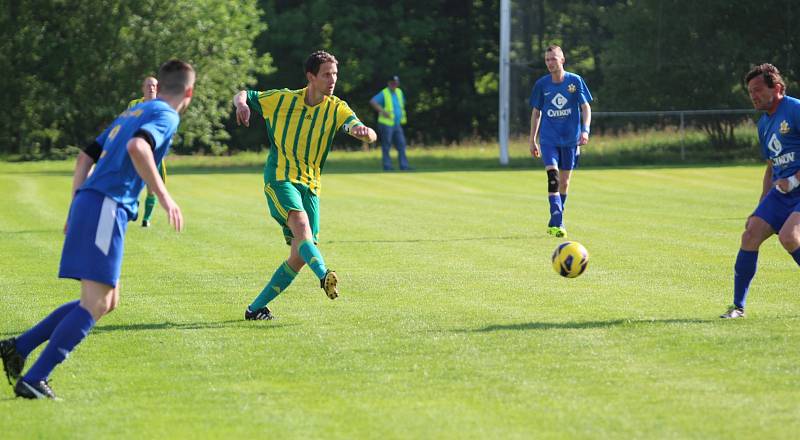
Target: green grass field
451, 322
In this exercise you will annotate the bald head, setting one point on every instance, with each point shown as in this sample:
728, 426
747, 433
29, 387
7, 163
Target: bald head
149, 88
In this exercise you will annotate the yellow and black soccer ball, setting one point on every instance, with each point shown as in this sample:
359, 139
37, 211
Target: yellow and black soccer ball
570, 259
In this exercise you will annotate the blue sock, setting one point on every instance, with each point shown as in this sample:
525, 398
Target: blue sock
313, 258
556, 209
563, 202
67, 334
796, 256
28, 341
744, 271
278, 283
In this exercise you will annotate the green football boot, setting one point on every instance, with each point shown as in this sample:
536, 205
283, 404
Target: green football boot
557, 231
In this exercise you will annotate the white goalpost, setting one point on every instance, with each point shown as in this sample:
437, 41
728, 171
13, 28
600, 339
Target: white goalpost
505, 77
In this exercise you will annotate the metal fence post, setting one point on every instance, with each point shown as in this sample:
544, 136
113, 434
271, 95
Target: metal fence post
683, 152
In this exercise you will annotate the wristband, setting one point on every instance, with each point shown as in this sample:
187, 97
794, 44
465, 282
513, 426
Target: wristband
585, 129
793, 182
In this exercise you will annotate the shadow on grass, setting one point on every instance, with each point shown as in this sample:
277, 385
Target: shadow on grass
580, 325
184, 326
427, 240
100, 329
31, 231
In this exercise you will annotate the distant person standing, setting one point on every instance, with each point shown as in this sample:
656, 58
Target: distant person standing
149, 89
390, 103
778, 210
560, 101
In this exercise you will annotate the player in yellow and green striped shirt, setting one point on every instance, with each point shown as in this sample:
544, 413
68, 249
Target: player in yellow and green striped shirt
300, 127
149, 91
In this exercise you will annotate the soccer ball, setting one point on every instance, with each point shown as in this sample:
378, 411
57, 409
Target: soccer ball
570, 259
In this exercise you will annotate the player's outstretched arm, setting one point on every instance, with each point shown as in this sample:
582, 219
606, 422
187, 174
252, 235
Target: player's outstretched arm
242, 109
143, 161
363, 133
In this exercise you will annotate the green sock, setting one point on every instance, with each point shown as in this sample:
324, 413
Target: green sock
149, 204
313, 258
278, 283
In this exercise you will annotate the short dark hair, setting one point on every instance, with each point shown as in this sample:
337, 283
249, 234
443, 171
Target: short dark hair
553, 48
770, 73
175, 76
317, 59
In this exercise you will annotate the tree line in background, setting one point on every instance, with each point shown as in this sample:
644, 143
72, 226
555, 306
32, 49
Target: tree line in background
70, 67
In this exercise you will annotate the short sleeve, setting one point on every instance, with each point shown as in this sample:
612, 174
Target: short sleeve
344, 113
537, 98
586, 95
379, 99
253, 101
161, 125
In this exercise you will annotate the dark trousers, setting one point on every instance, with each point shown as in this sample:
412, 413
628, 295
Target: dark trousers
393, 134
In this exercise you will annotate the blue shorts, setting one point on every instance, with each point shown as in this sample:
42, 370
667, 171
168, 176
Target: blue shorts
777, 207
562, 158
95, 233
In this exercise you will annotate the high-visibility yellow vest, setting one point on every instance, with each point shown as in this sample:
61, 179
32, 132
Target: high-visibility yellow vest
388, 107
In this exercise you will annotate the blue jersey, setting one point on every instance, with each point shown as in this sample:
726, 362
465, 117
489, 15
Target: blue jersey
560, 105
114, 174
779, 135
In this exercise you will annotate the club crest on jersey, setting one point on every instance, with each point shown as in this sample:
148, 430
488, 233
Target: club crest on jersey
571, 88
774, 145
784, 127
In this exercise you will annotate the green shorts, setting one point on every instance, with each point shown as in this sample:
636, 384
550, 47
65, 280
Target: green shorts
285, 196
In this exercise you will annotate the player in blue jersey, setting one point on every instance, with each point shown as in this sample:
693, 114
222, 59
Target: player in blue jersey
779, 208
560, 123
125, 157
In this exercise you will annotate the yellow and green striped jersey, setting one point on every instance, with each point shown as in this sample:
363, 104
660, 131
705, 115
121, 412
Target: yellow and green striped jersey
136, 101
300, 135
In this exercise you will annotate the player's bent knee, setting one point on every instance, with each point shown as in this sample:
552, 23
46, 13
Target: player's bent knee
552, 181
789, 240
752, 237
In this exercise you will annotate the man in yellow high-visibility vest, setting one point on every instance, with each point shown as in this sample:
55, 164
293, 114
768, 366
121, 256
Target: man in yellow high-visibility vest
391, 107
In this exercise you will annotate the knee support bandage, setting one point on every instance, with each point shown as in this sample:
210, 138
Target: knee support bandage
552, 181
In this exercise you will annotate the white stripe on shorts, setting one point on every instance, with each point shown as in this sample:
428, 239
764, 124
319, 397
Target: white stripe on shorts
105, 225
